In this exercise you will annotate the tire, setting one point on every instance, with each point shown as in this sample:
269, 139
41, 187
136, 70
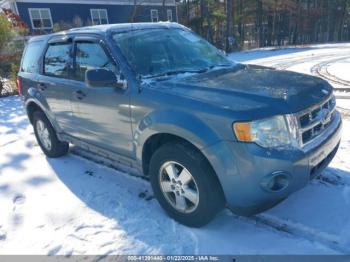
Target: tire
56, 148
209, 198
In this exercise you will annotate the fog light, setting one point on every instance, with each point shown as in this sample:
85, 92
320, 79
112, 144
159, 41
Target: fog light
276, 182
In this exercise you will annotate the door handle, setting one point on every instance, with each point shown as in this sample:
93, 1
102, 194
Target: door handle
42, 86
79, 94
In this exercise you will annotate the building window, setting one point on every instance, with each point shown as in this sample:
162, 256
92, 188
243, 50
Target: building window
99, 16
154, 15
169, 15
40, 18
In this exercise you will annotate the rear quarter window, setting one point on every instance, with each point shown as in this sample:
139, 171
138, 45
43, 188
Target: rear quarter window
31, 56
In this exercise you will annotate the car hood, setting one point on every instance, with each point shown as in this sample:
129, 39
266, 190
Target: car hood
248, 87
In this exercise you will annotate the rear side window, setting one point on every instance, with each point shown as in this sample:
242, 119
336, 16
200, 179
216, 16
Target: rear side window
32, 53
57, 60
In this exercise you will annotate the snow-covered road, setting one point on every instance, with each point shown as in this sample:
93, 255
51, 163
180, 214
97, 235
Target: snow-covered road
74, 206
329, 61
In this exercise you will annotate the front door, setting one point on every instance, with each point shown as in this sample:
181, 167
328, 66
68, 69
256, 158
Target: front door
102, 114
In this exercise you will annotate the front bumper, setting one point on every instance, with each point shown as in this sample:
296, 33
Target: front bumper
241, 167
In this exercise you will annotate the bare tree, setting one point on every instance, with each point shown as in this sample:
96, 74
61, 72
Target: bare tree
268, 22
229, 25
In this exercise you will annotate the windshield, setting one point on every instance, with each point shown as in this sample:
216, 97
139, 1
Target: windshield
156, 52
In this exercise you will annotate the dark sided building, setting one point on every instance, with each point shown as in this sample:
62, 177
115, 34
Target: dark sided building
42, 15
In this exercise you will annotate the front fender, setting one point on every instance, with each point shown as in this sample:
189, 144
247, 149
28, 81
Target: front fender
174, 122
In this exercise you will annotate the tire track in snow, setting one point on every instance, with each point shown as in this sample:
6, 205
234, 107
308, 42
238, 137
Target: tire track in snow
332, 178
297, 229
287, 62
321, 70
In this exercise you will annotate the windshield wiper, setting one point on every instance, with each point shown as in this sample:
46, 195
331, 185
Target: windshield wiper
176, 72
220, 65
183, 71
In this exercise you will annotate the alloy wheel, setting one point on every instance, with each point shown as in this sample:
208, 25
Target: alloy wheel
43, 134
179, 187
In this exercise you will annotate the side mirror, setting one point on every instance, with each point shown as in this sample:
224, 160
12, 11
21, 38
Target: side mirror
121, 82
102, 78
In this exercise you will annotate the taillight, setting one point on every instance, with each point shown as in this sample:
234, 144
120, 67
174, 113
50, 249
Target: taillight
19, 85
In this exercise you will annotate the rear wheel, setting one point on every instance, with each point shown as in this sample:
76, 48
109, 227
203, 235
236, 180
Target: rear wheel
46, 136
185, 184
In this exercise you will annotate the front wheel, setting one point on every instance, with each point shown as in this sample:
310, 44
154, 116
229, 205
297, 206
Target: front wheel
185, 184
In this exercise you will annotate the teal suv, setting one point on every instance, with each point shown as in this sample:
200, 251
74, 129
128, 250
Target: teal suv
163, 102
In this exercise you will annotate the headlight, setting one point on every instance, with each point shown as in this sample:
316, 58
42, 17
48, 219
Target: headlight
271, 132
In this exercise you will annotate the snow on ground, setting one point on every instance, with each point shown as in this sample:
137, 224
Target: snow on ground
341, 69
343, 103
71, 205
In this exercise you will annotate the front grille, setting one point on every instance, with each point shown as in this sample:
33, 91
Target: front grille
314, 120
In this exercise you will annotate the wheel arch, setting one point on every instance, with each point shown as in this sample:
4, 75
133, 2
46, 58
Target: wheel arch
32, 105
157, 140
154, 142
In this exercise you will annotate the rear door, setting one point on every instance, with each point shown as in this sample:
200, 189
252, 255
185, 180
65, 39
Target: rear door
55, 82
102, 114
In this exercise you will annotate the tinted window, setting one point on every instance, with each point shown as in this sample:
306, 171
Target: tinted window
57, 60
30, 63
90, 56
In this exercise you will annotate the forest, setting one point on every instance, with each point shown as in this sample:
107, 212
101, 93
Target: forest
244, 24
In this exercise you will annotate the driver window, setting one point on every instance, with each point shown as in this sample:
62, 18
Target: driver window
91, 56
